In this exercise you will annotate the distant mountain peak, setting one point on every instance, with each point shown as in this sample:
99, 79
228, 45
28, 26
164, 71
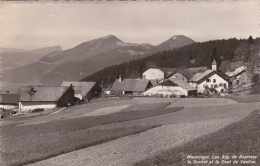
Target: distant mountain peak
176, 41
108, 36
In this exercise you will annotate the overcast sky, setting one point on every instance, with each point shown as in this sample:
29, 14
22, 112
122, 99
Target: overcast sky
30, 25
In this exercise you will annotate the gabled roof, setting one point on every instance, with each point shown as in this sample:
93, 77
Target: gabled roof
80, 87
42, 93
9, 98
135, 85
243, 71
200, 77
182, 83
168, 70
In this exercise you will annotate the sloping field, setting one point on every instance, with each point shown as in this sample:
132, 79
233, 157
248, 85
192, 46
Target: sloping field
177, 128
201, 102
32, 138
240, 138
127, 150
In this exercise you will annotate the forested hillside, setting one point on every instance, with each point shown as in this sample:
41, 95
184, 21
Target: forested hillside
194, 55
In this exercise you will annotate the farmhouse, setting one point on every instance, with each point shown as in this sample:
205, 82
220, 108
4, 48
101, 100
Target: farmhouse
130, 86
84, 91
210, 79
243, 78
9, 101
170, 87
34, 98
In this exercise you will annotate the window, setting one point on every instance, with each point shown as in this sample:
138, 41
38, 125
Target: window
208, 80
215, 86
220, 84
214, 80
211, 86
237, 82
225, 85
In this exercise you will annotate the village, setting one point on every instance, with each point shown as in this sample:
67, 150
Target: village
156, 82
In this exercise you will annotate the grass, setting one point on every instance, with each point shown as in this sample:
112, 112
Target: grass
238, 138
245, 98
30, 143
29, 148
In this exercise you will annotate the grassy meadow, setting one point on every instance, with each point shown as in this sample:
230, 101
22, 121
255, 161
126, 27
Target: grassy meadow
23, 144
241, 137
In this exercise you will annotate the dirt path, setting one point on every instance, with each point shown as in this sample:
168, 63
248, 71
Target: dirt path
184, 126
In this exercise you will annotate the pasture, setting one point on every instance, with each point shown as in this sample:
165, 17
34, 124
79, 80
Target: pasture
137, 128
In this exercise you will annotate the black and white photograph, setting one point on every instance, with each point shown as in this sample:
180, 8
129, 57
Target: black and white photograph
130, 83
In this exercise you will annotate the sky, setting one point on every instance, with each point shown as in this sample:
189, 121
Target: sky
32, 25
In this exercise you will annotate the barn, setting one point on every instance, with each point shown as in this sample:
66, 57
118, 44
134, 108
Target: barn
170, 87
130, 86
84, 91
34, 98
9, 101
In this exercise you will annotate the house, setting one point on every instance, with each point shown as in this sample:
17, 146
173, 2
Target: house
210, 79
153, 74
84, 91
130, 86
157, 75
33, 98
243, 78
9, 101
172, 86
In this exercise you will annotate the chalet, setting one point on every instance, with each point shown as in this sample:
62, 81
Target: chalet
130, 86
210, 79
172, 86
9, 101
43, 97
84, 91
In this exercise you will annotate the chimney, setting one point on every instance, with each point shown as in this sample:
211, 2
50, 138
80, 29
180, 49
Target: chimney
120, 79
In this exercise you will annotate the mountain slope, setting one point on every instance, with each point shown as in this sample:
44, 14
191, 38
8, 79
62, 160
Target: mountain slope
13, 58
176, 41
80, 61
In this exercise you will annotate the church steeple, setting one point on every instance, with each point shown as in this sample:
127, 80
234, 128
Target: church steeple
214, 65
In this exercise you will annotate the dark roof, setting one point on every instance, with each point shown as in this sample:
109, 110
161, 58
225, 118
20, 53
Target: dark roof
80, 87
154, 82
135, 85
9, 98
42, 93
168, 71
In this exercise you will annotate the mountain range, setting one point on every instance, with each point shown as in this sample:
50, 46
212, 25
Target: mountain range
52, 66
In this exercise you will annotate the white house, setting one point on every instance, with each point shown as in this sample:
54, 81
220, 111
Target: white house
172, 86
211, 79
153, 74
44, 97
